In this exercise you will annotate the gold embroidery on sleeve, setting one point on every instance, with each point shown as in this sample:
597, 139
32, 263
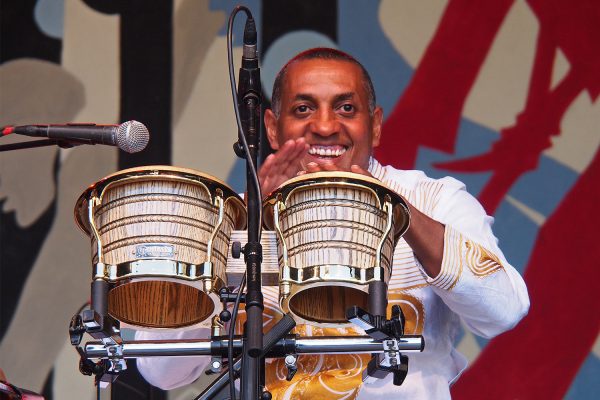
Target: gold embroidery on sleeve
452, 264
480, 261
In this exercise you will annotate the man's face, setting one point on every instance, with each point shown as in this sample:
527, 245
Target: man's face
326, 103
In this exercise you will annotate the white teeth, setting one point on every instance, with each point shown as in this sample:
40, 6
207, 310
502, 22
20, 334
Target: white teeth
326, 151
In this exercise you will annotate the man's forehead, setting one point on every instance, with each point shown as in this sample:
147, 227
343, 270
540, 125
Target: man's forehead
322, 71
319, 64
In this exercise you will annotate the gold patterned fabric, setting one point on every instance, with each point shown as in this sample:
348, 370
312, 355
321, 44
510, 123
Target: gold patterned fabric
318, 376
330, 376
480, 261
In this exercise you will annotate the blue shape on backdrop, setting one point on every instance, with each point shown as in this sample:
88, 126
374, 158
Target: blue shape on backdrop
516, 233
586, 384
472, 139
237, 176
541, 190
360, 34
49, 16
544, 189
283, 49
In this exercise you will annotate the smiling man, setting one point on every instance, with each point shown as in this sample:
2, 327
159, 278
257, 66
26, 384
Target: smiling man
325, 118
446, 268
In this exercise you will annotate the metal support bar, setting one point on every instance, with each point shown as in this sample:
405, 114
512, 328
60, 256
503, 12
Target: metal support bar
204, 347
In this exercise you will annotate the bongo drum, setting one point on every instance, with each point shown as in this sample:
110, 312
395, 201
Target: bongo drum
160, 237
336, 233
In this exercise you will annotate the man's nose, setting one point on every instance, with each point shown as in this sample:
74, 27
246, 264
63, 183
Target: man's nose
325, 123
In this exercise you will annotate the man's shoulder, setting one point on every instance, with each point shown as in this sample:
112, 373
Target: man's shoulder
412, 178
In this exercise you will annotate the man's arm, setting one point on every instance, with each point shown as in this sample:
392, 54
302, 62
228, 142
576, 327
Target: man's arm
425, 235
475, 280
172, 372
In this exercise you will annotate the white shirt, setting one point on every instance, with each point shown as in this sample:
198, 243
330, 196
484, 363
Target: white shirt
476, 284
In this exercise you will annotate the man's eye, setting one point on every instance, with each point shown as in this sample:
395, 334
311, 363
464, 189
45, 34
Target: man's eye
302, 109
348, 108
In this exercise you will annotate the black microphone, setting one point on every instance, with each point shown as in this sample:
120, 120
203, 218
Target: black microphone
130, 136
249, 78
249, 89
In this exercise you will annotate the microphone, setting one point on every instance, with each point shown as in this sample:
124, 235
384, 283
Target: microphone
249, 78
130, 136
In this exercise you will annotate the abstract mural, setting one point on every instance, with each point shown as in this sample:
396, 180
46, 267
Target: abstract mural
501, 94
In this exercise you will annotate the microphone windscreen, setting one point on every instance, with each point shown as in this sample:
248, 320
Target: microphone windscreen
132, 136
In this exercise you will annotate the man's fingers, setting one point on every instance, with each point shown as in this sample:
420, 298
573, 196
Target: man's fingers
330, 167
312, 167
359, 170
283, 165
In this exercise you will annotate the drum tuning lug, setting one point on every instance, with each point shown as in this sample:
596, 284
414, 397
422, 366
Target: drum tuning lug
291, 365
266, 395
236, 249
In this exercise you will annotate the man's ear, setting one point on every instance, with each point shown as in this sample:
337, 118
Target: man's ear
377, 122
271, 126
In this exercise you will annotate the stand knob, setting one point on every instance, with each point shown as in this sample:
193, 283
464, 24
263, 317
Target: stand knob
236, 249
239, 151
290, 362
225, 315
266, 395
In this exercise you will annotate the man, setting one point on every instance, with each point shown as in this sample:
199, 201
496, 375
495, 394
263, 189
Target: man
447, 266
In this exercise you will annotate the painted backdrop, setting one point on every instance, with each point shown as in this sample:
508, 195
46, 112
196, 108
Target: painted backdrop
501, 94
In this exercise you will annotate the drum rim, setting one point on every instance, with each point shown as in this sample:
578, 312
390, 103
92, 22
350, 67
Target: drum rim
81, 212
338, 176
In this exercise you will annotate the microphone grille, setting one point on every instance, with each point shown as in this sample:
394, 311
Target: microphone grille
132, 136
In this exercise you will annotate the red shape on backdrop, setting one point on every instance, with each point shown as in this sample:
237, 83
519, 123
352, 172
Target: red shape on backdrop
531, 361
429, 111
573, 29
541, 356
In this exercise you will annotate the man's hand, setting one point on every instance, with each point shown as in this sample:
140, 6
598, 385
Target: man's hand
283, 165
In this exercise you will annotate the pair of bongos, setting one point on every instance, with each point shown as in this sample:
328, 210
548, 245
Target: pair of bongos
160, 237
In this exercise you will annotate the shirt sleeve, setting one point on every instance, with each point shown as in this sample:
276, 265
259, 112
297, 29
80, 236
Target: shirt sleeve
172, 372
476, 281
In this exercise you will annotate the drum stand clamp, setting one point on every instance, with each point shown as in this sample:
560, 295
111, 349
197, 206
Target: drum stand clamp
97, 323
106, 370
390, 332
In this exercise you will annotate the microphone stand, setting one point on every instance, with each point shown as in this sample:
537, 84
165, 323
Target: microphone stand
248, 97
251, 359
37, 143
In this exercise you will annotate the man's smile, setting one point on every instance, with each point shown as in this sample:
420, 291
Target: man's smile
327, 150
